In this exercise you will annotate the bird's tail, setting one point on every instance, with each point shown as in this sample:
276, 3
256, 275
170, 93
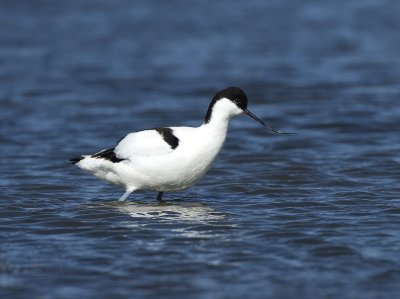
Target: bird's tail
76, 159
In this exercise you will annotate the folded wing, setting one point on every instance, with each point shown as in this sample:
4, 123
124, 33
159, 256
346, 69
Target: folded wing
144, 143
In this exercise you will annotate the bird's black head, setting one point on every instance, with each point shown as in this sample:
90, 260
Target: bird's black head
239, 99
234, 94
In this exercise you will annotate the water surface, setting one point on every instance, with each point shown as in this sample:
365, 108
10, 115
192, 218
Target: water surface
312, 215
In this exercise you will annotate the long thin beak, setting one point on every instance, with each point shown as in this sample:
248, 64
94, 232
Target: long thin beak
247, 112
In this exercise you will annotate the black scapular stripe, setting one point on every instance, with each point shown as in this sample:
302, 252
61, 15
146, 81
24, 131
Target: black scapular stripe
108, 154
168, 137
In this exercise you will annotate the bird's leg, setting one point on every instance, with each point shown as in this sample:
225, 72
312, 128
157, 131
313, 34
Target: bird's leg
126, 194
159, 196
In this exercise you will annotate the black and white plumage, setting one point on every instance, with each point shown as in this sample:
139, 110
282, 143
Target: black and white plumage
168, 159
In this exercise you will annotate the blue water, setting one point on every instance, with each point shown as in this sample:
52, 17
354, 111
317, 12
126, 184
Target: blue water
312, 215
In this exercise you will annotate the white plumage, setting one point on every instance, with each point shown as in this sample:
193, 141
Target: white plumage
168, 159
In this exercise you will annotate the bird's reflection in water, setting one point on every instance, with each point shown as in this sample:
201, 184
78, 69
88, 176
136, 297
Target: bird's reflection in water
170, 210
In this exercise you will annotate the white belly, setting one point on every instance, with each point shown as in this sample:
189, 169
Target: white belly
176, 171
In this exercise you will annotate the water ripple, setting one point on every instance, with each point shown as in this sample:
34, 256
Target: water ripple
311, 215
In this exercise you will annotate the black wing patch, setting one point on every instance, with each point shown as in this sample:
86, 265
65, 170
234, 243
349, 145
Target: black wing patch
76, 159
108, 154
168, 136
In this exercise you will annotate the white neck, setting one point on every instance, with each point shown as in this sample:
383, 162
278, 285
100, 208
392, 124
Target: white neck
217, 126
218, 122
222, 111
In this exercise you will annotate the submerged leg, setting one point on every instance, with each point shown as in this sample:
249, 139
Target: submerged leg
159, 196
126, 194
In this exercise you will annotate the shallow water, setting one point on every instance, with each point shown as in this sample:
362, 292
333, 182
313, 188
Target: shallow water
312, 215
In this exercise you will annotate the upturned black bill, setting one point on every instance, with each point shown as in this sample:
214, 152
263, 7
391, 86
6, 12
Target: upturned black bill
247, 112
